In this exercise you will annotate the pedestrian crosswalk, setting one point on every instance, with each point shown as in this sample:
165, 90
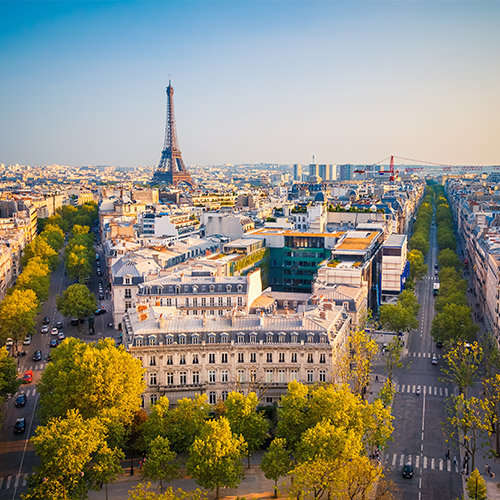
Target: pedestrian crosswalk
424, 355
396, 462
429, 390
13, 481
28, 392
37, 366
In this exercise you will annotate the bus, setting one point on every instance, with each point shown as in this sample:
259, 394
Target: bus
436, 289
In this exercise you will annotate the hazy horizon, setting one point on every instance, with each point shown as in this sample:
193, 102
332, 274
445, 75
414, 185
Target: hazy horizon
83, 83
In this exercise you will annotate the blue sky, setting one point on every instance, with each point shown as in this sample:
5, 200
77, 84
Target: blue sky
261, 81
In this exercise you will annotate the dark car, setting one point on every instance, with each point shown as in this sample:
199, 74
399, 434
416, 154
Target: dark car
408, 471
100, 311
53, 343
439, 344
37, 356
74, 321
20, 400
20, 425
101, 296
46, 320
59, 325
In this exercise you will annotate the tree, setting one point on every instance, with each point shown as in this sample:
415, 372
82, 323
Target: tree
78, 263
99, 380
276, 462
77, 301
476, 486
18, 312
355, 366
491, 390
9, 383
35, 276
468, 419
214, 457
245, 420
143, 492
397, 318
40, 248
462, 363
453, 324
160, 464
105, 466
54, 236
419, 242
449, 258
408, 300
418, 267
77, 229
393, 355
65, 447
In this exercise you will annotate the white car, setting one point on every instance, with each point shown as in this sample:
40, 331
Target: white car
434, 360
45, 329
27, 340
54, 331
9, 342
61, 336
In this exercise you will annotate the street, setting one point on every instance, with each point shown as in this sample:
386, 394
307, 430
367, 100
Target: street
418, 435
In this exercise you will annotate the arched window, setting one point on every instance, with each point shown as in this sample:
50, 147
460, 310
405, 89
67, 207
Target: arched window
153, 399
229, 288
240, 288
224, 395
212, 397
177, 289
212, 288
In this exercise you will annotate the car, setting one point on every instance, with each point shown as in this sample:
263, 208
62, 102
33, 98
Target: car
45, 329
418, 390
28, 377
9, 342
434, 360
61, 336
59, 325
27, 340
408, 471
436, 272
436, 266
439, 344
20, 425
101, 296
20, 400
54, 331
99, 311
46, 320
74, 321
37, 356
53, 343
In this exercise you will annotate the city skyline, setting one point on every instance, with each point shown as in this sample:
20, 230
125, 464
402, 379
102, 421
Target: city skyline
84, 82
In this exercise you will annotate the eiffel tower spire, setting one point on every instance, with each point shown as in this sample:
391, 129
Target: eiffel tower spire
171, 169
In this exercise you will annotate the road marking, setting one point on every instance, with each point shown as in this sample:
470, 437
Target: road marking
432, 463
394, 457
425, 462
440, 391
430, 389
16, 482
435, 391
7, 486
25, 479
446, 391
401, 460
448, 466
423, 414
417, 461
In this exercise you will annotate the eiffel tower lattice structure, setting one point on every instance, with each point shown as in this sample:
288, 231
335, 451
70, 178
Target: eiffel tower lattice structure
171, 169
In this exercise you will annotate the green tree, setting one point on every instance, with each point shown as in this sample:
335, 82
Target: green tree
393, 355
99, 380
215, 457
105, 467
160, 464
54, 236
408, 300
448, 258
58, 221
77, 229
397, 318
462, 363
78, 264
418, 267
65, 447
77, 301
9, 383
453, 324
276, 462
419, 242
18, 312
491, 391
36, 277
245, 420
40, 248
143, 492
476, 486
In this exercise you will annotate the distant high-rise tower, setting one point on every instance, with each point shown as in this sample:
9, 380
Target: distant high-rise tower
171, 169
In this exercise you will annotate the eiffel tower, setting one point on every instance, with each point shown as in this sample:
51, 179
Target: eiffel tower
171, 169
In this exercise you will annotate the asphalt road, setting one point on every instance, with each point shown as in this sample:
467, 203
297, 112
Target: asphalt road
418, 435
17, 457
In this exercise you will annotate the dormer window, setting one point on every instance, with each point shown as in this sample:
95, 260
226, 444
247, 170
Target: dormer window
281, 337
138, 342
195, 289
177, 289
127, 280
211, 338
212, 288
195, 339
152, 341
182, 339
240, 288
293, 338
160, 289
241, 339
253, 339
224, 338
169, 339
229, 288
269, 338
310, 338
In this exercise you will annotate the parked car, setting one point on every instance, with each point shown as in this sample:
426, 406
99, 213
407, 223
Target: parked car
45, 329
408, 471
37, 356
9, 342
20, 400
20, 425
27, 340
61, 336
28, 377
46, 320
74, 321
54, 331
439, 344
53, 343
59, 325
99, 311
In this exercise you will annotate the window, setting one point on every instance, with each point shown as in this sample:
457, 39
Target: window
169, 302
281, 376
253, 339
322, 339
138, 342
269, 357
322, 358
182, 339
128, 281
281, 357
212, 398
212, 301
220, 301
211, 357
269, 376
153, 399
142, 400
224, 395
293, 339
182, 359
182, 378
196, 377
253, 375
293, 358
224, 357
195, 359
269, 338
152, 379
152, 360
293, 375
310, 338
211, 339
224, 339
194, 339
224, 376
310, 358
241, 339
281, 338
211, 288
241, 375
169, 339
170, 360
228, 288
170, 378
195, 301
241, 357
310, 376
269, 399
203, 301
322, 375
229, 302
128, 305
253, 357
211, 376
152, 341
240, 301
128, 293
